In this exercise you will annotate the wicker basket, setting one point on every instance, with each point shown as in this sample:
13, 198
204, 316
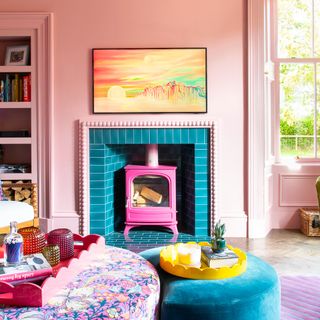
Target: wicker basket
310, 224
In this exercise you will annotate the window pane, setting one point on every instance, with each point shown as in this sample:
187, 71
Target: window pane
294, 28
317, 28
296, 110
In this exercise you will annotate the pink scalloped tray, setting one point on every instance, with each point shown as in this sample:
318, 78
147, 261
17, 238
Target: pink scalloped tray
32, 295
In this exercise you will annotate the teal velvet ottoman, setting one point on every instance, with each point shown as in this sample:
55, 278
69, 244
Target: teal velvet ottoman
254, 295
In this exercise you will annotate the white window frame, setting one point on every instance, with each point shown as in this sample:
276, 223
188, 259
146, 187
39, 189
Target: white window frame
260, 116
276, 101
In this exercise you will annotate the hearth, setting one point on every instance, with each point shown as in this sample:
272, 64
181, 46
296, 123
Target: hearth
107, 147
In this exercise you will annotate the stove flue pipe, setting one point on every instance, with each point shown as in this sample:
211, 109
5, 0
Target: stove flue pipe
152, 155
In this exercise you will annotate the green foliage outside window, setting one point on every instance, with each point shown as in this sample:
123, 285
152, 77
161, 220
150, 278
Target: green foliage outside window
297, 78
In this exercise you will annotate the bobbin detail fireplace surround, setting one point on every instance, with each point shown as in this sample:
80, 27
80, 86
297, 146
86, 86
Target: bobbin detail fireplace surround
108, 149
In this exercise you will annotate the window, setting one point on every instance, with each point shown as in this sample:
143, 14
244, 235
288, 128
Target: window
297, 65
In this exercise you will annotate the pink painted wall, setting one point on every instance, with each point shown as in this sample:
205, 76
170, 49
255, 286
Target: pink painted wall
293, 188
80, 25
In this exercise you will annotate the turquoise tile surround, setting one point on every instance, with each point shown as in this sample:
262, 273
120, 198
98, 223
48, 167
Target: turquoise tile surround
112, 149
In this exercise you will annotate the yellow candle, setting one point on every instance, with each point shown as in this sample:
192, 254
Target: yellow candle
189, 254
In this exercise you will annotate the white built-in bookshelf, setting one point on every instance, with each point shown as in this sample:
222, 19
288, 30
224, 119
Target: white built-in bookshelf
33, 118
18, 109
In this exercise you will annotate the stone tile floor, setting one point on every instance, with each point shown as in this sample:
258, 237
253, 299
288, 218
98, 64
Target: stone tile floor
289, 251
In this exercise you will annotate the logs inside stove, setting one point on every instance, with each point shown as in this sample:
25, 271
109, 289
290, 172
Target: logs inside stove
151, 193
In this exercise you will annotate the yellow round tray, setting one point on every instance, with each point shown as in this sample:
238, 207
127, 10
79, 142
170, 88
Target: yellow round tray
169, 263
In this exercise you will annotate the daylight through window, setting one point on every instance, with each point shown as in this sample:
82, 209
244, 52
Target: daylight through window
297, 64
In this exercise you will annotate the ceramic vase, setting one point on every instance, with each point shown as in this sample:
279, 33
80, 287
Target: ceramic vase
219, 245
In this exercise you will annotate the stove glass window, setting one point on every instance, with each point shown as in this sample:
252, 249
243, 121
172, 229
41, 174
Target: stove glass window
150, 191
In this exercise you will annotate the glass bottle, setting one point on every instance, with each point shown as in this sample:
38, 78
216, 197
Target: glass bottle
13, 246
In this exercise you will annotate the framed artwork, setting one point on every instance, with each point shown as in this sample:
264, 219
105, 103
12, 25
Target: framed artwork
17, 56
158, 80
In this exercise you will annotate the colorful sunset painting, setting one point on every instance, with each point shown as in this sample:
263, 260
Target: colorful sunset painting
149, 80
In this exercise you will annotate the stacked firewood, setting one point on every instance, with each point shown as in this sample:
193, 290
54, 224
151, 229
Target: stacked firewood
18, 191
146, 194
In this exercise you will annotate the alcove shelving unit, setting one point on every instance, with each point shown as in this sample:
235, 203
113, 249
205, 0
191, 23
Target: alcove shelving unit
18, 111
28, 125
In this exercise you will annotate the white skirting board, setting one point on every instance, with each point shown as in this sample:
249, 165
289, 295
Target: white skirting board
68, 220
259, 227
236, 223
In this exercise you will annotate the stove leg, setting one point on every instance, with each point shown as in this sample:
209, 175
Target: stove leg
174, 229
127, 229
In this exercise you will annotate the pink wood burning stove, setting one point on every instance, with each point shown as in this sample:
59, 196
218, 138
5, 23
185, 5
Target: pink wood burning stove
151, 194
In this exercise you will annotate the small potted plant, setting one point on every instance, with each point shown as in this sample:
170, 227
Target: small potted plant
218, 242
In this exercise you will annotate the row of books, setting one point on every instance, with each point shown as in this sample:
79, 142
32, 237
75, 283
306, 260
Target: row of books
15, 87
34, 268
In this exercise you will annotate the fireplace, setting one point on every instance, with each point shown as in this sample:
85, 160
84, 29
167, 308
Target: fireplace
107, 147
150, 193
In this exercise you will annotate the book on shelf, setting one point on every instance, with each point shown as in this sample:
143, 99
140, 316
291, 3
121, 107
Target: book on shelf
7, 88
212, 259
26, 82
15, 88
15, 133
1, 90
33, 268
20, 89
